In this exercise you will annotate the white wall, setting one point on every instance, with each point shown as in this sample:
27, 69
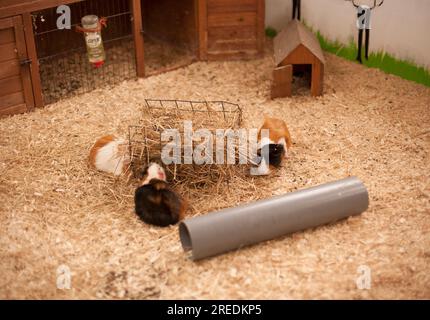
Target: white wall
399, 27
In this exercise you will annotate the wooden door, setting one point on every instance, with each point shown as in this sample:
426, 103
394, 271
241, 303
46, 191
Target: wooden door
282, 80
16, 92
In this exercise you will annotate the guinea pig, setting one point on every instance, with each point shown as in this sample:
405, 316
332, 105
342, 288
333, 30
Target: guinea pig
155, 203
276, 146
110, 154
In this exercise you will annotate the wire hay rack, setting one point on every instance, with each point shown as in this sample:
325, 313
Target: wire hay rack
204, 114
146, 145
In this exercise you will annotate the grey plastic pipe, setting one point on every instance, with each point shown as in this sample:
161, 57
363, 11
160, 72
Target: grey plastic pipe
233, 228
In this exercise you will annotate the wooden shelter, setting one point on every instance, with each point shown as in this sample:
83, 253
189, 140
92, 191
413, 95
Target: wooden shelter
296, 47
31, 51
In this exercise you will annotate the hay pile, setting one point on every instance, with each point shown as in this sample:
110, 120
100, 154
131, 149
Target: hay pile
55, 210
146, 145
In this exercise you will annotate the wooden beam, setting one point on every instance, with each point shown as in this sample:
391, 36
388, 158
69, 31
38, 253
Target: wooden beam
32, 54
16, 7
22, 55
196, 23
136, 9
261, 36
202, 28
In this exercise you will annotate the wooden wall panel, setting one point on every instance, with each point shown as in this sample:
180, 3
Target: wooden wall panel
13, 99
9, 68
7, 52
233, 29
10, 85
233, 19
16, 91
233, 44
7, 36
15, 109
228, 33
229, 6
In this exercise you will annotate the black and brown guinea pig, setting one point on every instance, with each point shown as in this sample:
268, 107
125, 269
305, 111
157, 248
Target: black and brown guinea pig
276, 145
155, 203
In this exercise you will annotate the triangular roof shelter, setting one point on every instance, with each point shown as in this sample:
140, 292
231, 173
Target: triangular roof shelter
293, 35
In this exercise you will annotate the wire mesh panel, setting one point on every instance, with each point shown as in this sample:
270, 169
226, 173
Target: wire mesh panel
64, 67
146, 142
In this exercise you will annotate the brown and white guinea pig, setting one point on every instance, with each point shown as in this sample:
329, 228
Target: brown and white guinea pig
155, 203
276, 146
110, 154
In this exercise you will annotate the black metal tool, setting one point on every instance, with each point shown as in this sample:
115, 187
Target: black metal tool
363, 23
296, 9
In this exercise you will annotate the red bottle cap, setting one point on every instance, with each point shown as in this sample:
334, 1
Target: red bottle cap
98, 64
